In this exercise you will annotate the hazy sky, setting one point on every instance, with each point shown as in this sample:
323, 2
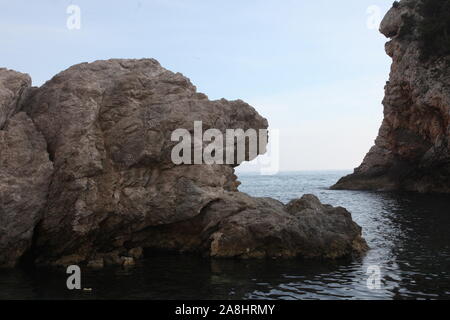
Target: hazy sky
315, 69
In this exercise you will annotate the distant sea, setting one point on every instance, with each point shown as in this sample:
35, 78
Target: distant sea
409, 236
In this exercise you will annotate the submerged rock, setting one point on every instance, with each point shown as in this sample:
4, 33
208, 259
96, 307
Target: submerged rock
115, 191
412, 151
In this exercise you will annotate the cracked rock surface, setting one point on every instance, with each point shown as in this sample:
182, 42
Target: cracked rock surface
25, 171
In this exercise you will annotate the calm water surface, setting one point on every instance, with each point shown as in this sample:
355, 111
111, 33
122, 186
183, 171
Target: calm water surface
408, 235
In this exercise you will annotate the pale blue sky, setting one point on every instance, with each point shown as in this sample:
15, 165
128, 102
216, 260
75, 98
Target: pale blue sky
313, 68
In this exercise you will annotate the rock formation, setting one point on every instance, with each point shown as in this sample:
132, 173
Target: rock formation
412, 151
25, 170
111, 190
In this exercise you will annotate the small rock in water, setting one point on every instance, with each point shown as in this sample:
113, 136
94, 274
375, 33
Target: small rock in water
128, 261
96, 264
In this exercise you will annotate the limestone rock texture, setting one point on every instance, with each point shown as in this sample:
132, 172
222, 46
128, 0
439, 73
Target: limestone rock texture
25, 171
100, 134
412, 150
12, 85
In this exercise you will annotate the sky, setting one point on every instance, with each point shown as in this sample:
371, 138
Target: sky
315, 69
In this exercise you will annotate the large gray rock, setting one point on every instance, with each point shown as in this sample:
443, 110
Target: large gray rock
115, 190
108, 126
25, 171
238, 226
412, 150
260, 228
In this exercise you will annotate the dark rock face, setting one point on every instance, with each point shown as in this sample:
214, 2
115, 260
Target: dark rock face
115, 191
412, 151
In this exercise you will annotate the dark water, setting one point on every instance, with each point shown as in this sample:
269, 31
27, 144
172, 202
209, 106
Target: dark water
408, 235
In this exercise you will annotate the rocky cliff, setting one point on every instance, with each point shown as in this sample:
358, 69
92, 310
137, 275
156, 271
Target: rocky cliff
25, 170
412, 151
86, 175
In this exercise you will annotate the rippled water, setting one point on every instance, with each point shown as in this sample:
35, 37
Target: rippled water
408, 235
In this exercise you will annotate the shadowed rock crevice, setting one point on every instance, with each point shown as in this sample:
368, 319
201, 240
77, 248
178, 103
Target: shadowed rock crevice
100, 178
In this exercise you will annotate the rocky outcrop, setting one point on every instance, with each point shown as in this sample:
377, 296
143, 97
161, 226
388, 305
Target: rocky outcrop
412, 151
115, 192
237, 225
25, 171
